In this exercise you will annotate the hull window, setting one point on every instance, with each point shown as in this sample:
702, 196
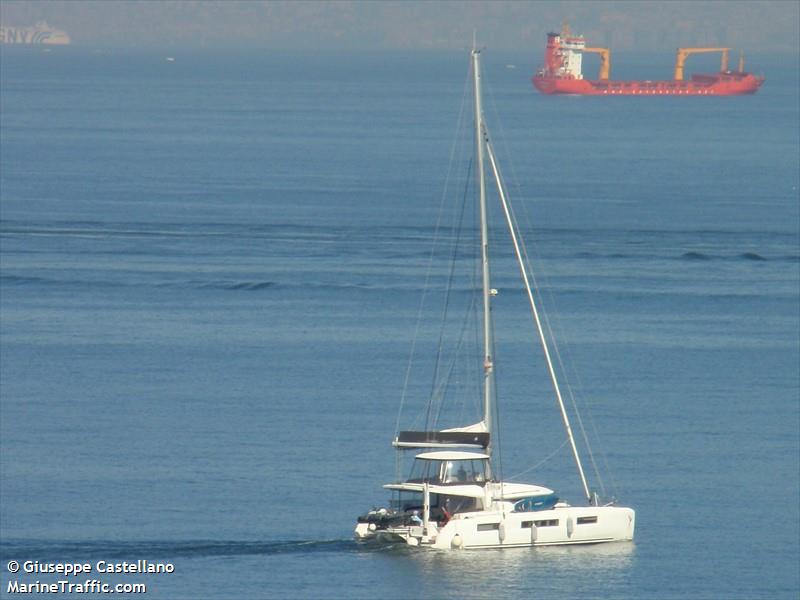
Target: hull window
543, 523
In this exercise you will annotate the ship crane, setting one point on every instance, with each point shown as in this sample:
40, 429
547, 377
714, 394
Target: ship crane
683, 53
605, 61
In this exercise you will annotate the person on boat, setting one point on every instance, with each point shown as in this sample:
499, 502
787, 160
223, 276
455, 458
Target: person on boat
415, 518
446, 514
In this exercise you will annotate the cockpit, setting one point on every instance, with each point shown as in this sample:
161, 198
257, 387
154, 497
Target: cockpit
443, 468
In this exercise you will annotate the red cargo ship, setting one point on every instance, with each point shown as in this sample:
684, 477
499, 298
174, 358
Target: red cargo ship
562, 73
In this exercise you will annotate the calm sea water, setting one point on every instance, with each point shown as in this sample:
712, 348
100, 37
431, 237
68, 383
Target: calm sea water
211, 269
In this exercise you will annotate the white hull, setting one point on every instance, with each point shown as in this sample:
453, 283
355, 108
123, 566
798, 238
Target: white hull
561, 525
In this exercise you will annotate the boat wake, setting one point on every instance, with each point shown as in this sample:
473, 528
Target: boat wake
63, 549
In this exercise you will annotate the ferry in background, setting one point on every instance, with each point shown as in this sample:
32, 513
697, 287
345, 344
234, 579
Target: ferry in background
41, 33
562, 73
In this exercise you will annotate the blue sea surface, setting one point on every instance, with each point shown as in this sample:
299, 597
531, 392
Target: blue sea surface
210, 273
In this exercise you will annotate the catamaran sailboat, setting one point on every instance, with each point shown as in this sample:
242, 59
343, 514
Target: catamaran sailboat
452, 499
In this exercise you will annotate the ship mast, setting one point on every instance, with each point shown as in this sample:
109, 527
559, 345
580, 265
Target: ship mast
488, 364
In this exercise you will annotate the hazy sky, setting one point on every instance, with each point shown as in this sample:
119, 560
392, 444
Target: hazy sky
755, 26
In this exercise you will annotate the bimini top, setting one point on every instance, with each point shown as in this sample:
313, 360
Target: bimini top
510, 492
468, 491
451, 455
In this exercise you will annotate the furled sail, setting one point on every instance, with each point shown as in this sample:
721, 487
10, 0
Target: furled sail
471, 436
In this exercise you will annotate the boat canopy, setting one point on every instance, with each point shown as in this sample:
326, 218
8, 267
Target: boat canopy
451, 455
467, 491
506, 491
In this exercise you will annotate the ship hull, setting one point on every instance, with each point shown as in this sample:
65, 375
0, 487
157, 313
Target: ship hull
722, 84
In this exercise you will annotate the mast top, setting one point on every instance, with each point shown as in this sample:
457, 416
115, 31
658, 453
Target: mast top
475, 49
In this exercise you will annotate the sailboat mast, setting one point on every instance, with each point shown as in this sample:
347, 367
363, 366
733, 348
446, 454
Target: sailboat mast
488, 365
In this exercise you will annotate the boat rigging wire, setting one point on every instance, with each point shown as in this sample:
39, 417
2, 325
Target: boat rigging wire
429, 268
439, 383
544, 460
546, 319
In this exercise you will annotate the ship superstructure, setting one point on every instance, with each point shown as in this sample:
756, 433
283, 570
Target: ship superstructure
562, 73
